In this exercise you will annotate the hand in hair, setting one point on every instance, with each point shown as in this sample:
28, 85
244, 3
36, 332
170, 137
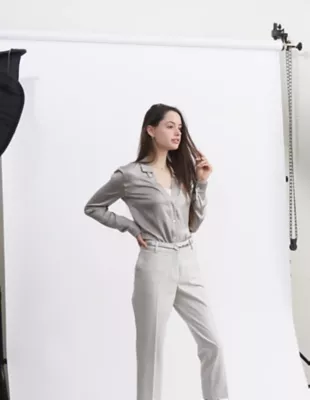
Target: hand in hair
203, 168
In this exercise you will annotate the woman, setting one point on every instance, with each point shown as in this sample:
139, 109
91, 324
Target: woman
165, 190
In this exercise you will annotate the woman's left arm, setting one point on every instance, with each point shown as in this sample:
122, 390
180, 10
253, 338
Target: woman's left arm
203, 172
199, 205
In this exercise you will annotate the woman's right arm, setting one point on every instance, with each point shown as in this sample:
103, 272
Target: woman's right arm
98, 206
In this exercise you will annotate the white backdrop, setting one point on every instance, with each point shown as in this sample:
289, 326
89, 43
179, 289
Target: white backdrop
69, 280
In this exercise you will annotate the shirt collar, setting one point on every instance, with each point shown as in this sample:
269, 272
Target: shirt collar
146, 168
149, 169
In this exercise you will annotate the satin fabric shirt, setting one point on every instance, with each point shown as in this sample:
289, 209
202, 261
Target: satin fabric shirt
157, 214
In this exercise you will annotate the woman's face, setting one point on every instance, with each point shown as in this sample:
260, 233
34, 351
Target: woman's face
167, 135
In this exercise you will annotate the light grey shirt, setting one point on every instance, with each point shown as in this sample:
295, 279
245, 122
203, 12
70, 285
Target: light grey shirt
157, 214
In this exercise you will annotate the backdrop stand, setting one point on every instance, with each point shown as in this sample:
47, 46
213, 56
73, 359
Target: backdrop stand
278, 33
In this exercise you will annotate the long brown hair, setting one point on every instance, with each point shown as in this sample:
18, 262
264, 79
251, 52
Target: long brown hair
181, 161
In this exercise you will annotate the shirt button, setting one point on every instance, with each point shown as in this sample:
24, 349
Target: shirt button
173, 221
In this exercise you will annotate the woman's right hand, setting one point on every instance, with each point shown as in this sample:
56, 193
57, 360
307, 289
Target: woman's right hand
141, 242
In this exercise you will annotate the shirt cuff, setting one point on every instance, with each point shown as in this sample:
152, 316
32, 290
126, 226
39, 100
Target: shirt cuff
202, 185
134, 230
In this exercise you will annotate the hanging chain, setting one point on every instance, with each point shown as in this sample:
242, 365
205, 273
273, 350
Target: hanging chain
291, 178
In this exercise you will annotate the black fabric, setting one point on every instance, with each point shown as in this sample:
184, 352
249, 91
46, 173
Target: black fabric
12, 99
10, 60
12, 96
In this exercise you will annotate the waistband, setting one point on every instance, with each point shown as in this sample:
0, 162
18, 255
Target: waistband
172, 246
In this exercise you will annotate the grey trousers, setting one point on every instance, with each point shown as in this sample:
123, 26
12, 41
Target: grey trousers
167, 276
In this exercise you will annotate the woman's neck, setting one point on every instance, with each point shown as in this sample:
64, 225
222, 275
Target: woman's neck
160, 161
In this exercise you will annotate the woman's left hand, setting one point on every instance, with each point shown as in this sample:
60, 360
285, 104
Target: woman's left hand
203, 168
